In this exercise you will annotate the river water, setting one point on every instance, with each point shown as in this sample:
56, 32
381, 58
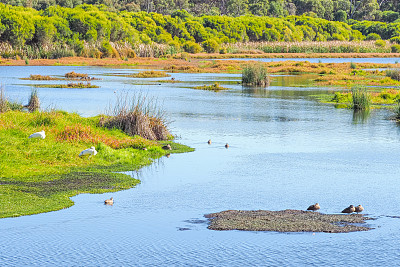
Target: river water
286, 151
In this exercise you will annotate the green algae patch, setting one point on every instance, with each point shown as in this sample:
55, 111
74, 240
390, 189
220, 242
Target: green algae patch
286, 221
40, 175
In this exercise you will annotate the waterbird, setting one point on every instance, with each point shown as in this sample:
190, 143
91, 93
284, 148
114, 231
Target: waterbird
359, 208
209, 142
38, 135
314, 207
167, 147
226, 145
90, 151
349, 209
109, 201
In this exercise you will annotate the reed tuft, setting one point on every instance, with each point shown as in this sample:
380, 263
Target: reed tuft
361, 98
34, 102
255, 74
393, 74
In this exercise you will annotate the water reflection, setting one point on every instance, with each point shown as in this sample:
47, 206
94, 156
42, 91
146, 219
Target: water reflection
361, 116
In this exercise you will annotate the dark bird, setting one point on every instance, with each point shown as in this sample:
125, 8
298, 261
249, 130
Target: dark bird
349, 209
209, 142
109, 201
226, 146
314, 207
167, 147
359, 208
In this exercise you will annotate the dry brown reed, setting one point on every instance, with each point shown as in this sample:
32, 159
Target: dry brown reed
3, 101
137, 116
34, 102
39, 77
74, 75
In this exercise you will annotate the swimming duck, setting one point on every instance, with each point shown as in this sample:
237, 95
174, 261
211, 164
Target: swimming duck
209, 142
359, 208
227, 145
109, 201
349, 209
314, 207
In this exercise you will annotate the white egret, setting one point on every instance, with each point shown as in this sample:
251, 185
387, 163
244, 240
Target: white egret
90, 151
38, 135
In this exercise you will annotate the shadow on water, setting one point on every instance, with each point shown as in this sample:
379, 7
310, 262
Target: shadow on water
361, 116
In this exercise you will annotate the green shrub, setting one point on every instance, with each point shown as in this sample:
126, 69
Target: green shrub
361, 98
395, 40
223, 50
395, 48
255, 74
191, 47
393, 74
210, 46
353, 65
380, 43
373, 36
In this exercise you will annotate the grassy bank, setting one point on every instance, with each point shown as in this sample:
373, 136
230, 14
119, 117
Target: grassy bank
40, 175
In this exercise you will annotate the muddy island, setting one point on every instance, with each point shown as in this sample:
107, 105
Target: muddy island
286, 221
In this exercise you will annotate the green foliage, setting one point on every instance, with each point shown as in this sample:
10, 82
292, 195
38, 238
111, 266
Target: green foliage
191, 47
395, 48
373, 36
353, 65
393, 74
395, 40
380, 43
210, 46
361, 98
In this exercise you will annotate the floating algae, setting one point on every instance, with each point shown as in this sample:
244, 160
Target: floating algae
286, 221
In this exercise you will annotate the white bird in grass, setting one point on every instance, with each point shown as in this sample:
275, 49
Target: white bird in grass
38, 135
90, 151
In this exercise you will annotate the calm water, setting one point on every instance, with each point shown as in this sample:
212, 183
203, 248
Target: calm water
394, 60
286, 151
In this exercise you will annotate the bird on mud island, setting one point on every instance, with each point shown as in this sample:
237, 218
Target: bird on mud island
314, 207
359, 209
349, 209
38, 135
109, 201
90, 151
167, 147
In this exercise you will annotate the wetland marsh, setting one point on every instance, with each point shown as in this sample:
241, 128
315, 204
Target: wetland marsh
286, 151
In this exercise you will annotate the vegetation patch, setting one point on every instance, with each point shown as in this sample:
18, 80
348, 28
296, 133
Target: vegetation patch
68, 85
256, 75
213, 87
286, 221
39, 175
39, 77
74, 75
150, 74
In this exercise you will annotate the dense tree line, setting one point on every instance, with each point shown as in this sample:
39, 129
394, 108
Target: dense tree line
94, 27
340, 10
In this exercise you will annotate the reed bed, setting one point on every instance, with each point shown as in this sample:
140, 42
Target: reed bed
255, 74
306, 47
38, 77
361, 98
150, 74
393, 74
212, 87
138, 115
34, 102
75, 75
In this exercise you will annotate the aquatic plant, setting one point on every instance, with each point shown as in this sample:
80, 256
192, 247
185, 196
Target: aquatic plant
3, 101
138, 115
74, 75
213, 87
38, 77
150, 74
361, 98
255, 74
353, 65
393, 74
34, 102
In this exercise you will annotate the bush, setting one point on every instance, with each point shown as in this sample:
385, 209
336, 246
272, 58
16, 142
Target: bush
395, 48
373, 36
192, 47
380, 43
210, 46
393, 74
361, 98
353, 66
395, 40
255, 74
223, 50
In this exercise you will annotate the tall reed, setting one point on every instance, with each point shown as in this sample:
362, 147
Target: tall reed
34, 102
255, 74
138, 115
361, 98
3, 101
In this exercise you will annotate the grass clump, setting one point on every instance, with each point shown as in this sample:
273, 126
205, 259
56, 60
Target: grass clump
39, 77
393, 74
213, 87
361, 98
138, 116
6, 105
34, 102
79, 85
150, 74
75, 75
255, 74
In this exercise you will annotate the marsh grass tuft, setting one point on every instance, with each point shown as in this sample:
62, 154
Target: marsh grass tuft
255, 74
75, 75
361, 98
138, 116
150, 74
213, 87
34, 102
